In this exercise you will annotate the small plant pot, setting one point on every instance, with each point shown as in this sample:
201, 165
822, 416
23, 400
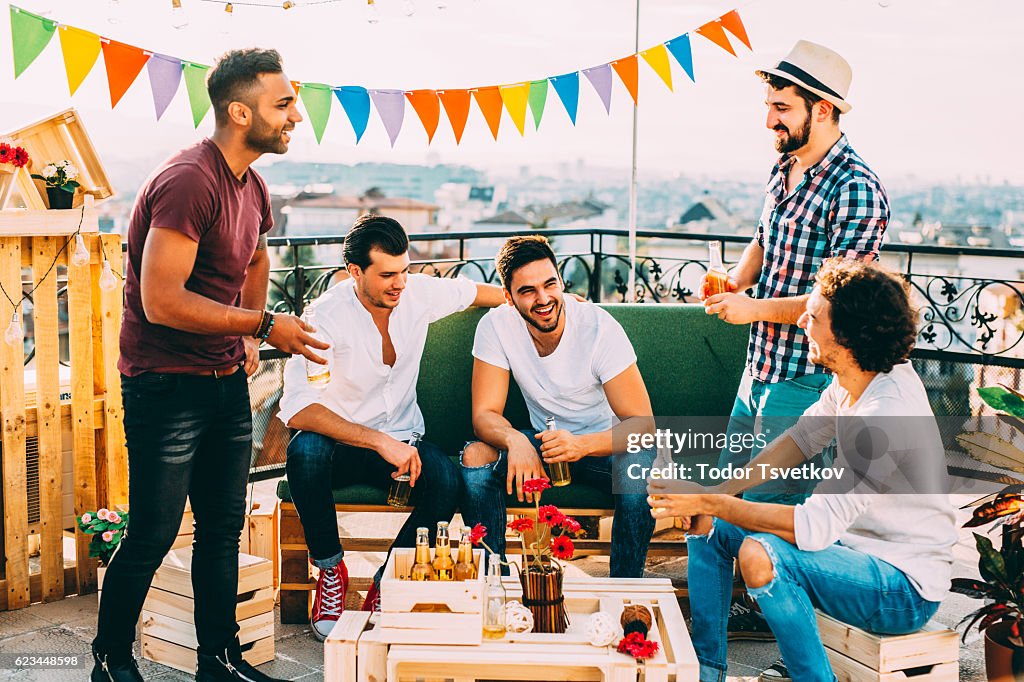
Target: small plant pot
542, 594
58, 198
1003, 662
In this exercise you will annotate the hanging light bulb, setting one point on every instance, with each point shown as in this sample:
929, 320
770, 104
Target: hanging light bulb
108, 281
179, 19
288, 4
15, 333
80, 256
113, 11
372, 13
408, 7
229, 11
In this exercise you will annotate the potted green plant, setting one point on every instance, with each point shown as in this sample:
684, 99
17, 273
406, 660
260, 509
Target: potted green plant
61, 180
1001, 585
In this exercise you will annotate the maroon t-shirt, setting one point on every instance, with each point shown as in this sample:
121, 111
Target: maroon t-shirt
195, 193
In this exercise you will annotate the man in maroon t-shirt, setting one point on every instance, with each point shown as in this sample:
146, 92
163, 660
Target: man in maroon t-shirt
195, 293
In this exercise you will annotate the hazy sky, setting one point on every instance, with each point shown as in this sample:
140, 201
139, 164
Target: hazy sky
936, 90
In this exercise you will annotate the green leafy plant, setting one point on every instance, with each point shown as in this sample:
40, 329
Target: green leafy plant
106, 528
61, 175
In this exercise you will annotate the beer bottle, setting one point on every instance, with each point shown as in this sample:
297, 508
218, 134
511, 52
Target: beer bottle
443, 564
422, 569
718, 276
494, 601
465, 567
560, 474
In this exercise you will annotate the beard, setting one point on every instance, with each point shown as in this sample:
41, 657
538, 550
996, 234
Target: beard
793, 140
379, 300
264, 138
544, 328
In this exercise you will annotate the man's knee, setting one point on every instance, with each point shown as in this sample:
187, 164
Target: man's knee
755, 564
478, 454
306, 446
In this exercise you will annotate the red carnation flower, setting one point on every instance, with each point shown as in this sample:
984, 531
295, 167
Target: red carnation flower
6, 152
550, 515
521, 525
535, 485
570, 524
477, 533
628, 643
20, 157
646, 648
562, 547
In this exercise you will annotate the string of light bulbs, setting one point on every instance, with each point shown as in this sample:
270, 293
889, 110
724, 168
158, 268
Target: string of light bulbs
15, 332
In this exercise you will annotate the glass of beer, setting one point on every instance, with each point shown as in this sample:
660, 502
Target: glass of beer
559, 470
718, 276
401, 487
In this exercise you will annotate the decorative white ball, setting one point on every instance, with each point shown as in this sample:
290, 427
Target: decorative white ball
601, 629
518, 618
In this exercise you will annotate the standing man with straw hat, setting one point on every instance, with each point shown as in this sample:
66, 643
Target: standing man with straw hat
822, 201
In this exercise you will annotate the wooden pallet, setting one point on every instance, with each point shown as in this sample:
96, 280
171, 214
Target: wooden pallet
352, 652
260, 534
929, 655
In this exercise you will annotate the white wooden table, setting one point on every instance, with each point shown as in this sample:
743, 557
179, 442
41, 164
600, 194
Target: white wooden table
354, 653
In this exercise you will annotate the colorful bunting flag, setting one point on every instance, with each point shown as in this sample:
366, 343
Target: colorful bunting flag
81, 50
198, 96
489, 101
732, 23
567, 87
538, 96
680, 49
123, 63
355, 100
164, 79
628, 74
515, 98
428, 108
295, 86
390, 106
316, 98
713, 32
657, 59
456, 108
601, 78
30, 34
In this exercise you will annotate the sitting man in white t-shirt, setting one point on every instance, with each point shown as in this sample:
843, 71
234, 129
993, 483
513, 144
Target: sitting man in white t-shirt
573, 363
881, 561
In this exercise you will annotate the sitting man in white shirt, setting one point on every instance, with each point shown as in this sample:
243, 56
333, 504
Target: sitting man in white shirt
573, 362
880, 562
358, 428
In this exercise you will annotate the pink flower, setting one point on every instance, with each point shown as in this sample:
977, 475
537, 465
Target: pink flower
571, 525
108, 535
86, 518
102, 513
114, 517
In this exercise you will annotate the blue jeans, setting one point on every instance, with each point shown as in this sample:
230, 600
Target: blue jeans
317, 464
188, 436
848, 585
632, 525
777, 406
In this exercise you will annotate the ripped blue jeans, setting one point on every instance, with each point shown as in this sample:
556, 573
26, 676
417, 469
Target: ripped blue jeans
856, 588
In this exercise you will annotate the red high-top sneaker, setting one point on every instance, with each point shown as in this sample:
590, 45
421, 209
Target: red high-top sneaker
329, 601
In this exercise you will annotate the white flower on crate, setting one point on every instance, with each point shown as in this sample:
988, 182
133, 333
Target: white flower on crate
49, 171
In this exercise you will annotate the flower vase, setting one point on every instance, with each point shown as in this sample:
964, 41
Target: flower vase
542, 594
59, 198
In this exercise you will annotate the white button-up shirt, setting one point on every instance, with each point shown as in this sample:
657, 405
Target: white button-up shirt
362, 388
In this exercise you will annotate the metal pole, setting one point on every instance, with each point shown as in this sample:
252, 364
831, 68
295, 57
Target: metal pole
631, 294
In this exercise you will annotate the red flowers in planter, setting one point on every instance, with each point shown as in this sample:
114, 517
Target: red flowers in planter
16, 156
637, 646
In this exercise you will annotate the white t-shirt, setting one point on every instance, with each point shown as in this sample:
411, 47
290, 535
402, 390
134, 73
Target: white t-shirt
568, 384
362, 388
913, 532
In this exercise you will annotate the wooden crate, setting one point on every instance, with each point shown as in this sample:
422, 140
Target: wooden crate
434, 611
929, 655
168, 621
57, 137
260, 534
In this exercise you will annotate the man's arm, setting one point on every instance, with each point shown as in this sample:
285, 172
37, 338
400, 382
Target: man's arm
748, 270
319, 419
488, 296
490, 391
257, 277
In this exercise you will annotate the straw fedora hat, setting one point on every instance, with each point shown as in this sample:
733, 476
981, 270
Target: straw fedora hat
817, 69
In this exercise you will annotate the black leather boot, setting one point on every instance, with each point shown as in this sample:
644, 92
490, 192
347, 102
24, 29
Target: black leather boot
228, 666
109, 668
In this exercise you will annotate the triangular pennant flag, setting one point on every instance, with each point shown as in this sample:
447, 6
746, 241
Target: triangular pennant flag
198, 95
538, 96
81, 50
515, 98
295, 86
732, 23
428, 108
601, 78
390, 106
680, 49
456, 108
713, 32
355, 100
657, 59
567, 87
489, 101
164, 79
123, 63
316, 98
628, 73
30, 34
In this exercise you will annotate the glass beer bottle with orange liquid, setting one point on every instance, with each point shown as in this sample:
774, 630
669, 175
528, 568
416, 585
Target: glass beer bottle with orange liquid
718, 276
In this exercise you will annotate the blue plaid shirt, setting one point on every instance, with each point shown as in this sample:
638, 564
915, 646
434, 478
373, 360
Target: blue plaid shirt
838, 209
